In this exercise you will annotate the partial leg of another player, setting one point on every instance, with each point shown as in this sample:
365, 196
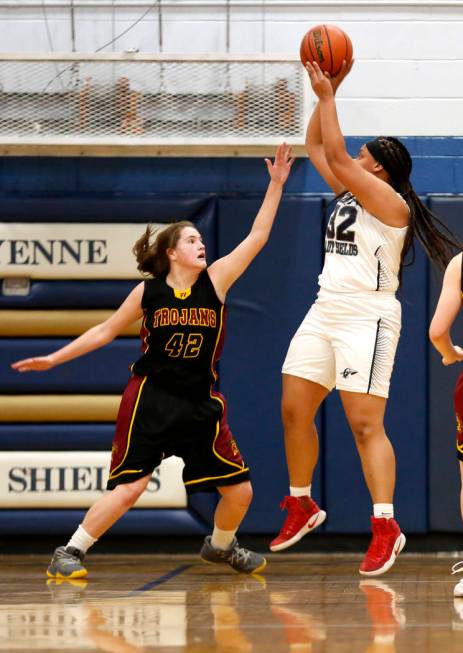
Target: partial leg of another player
458, 567
67, 560
300, 402
222, 546
365, 414
458, 404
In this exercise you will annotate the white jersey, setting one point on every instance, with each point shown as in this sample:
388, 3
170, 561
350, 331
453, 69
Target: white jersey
361, 253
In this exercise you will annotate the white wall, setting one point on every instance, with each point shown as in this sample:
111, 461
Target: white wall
408, 77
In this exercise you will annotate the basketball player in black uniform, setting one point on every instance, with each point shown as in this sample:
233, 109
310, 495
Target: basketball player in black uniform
169, 406
447, 309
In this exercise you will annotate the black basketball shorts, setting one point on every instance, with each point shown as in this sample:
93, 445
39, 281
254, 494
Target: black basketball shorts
153, 424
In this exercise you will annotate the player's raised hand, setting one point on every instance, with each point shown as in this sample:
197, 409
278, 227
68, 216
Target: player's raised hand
37, 364
342, 74
280, 168
320, 81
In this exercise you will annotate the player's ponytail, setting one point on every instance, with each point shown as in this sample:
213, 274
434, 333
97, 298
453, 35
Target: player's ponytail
437, 240
152, 257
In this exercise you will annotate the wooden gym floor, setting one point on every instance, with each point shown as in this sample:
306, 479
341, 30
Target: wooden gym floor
303, 603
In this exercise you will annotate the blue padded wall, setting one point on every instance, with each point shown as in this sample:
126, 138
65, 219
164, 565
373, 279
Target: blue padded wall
54, 208
266, 306
104, 371
437, 168
139, 521
68, 294
348, 503
56, 437
444, 475
407, 413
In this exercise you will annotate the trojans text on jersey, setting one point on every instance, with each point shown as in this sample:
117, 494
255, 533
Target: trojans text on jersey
194, 316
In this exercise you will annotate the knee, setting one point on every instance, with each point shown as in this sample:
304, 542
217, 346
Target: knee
129, 493
288, 411
244, 494
239, 495
298, 426
291, 413
364, 431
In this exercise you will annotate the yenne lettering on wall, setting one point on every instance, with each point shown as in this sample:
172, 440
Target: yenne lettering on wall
76, 479
69, 250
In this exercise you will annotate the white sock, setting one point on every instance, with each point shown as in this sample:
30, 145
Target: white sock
300, 491
222, 539
383, 510
81, 540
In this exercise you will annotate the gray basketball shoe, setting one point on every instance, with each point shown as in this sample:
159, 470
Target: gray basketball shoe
239, 558
67, 563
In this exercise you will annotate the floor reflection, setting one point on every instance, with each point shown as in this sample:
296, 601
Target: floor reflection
387, 614
298, 607
457, 623
301, 629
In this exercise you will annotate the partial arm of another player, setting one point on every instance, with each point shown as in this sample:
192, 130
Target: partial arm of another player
447, 309
226, 270
314, 141
376, 196
98, 336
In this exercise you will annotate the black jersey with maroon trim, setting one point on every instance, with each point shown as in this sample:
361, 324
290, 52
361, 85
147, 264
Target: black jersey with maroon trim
182, 336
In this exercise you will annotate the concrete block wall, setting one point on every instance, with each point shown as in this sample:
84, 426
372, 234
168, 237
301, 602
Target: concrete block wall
409, 54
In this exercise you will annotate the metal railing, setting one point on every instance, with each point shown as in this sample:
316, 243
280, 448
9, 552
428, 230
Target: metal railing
160, 104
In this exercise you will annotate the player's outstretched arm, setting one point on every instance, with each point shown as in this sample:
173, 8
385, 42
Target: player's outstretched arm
375, 195
447, 309
313, 136
98, 336
226, 270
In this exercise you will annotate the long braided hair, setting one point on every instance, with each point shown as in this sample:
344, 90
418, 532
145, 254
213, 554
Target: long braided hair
437, 240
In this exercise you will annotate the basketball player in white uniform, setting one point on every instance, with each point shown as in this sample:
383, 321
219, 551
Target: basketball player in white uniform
349, 337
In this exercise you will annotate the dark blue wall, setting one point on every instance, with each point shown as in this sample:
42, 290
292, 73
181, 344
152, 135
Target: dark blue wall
265, 307
437, 168
444, 475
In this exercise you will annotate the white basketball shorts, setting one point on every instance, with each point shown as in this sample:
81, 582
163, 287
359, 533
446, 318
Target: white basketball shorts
347, 342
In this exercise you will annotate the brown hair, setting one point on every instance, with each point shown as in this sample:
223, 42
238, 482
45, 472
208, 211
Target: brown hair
152, 257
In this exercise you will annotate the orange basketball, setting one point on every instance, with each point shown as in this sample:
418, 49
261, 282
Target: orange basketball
328, 45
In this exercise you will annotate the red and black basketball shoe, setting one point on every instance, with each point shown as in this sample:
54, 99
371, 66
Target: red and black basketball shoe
303, 516
386, 544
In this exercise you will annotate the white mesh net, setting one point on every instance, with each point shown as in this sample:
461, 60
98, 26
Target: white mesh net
156, 100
